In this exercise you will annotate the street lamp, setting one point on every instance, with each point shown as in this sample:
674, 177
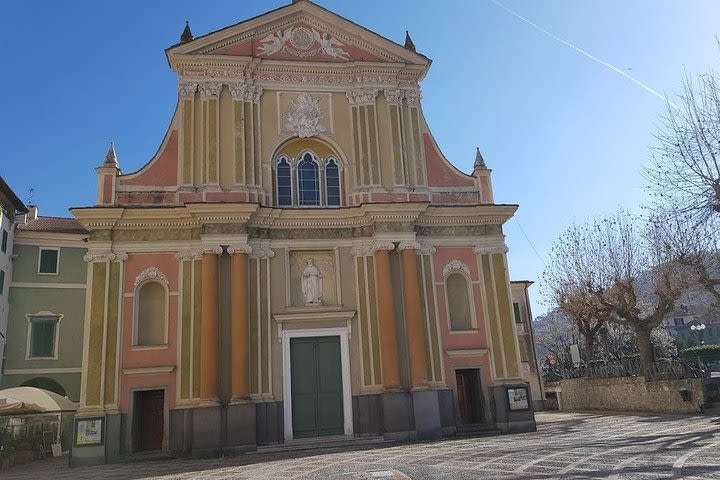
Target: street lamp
700, 329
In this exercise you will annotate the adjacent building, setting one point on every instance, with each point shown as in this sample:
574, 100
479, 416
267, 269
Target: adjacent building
297, 260
522, 315
47, 305
10, 208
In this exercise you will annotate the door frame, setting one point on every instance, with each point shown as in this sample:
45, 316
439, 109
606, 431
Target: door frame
130, 445
484, 391
341, 332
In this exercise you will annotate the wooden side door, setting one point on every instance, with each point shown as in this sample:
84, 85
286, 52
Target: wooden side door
464, 393
149, 413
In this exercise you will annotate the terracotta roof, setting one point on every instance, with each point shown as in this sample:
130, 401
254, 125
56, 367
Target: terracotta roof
53, 224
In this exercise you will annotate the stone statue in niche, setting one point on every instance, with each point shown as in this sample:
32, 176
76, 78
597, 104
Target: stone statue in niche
312, 284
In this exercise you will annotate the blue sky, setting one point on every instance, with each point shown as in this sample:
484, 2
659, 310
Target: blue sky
566, 138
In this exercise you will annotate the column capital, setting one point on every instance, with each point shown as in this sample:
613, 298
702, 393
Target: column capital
210, 90
192, 254
103, 255
488, 245
412, 97
253, 93
239, 248
187, 89
212, 249
419, 247
370, 247
262, 252
393, 96
408, 246
362, 96
237, 90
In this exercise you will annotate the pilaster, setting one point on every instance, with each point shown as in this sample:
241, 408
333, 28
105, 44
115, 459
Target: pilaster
239, 327
209, 326
365, 135
210, 101
413, 315
101, 349
186, 97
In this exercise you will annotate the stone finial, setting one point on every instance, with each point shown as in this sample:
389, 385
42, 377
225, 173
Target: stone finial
479, 161
111, 157
187, 35
409, 43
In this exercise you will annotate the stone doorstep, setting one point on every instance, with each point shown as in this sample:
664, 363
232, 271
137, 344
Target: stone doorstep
320, 443
477, 430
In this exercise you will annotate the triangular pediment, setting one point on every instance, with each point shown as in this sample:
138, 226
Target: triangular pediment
301, 31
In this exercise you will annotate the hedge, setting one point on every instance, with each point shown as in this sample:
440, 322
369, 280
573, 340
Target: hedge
703, 352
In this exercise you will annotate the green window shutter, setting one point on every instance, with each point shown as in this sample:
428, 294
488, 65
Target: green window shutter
42, 337
2, 281
48, 261
3, 247
516, 309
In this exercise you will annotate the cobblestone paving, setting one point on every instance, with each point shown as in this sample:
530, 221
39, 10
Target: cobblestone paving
583, 446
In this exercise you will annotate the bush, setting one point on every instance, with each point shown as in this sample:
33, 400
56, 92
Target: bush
703, 352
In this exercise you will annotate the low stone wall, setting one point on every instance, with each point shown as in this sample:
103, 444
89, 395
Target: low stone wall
630, 394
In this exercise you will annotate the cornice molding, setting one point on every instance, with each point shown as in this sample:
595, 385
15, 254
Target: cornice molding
451, 216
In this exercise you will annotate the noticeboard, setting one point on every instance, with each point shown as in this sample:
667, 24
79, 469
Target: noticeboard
89, 431
518, 398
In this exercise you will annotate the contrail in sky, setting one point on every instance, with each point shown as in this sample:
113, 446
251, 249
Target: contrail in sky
585, 53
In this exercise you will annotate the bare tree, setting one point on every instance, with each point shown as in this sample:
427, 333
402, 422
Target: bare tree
618, 271
572, 267
685, 172
619, 342
694, 245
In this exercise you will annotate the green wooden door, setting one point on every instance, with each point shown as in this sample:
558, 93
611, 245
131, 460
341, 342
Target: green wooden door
316, 385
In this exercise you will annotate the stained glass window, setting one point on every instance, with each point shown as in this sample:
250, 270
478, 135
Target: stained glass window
332, 179
284, 182
308, 181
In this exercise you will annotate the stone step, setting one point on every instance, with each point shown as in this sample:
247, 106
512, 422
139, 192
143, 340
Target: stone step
322, 443
477, 430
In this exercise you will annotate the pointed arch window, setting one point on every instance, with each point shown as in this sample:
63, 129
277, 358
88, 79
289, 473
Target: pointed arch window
332, 181
284, 183
307, 181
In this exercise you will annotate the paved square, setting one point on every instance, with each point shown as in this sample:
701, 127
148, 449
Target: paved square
566, 445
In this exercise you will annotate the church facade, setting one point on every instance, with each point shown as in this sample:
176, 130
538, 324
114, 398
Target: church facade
297, 260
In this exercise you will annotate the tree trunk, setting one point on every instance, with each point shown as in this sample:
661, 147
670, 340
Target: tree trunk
645, 346
589, 346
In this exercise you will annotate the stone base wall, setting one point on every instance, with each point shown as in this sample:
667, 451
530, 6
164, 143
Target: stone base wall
630, 394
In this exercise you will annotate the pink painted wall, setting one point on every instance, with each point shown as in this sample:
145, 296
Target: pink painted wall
156, 357
466, 340
162, 172
440, 172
